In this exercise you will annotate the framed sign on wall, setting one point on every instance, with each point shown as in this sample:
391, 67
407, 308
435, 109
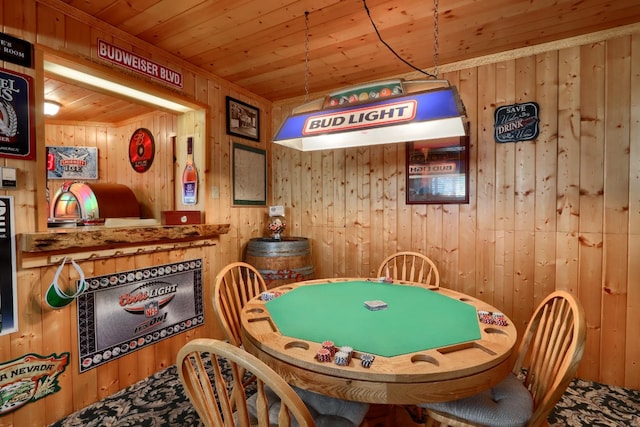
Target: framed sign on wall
249, 175
8, 278
17, 126
438, 171
243, 120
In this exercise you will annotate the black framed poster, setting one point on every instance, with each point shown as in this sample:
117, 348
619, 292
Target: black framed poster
8, 291
243, 120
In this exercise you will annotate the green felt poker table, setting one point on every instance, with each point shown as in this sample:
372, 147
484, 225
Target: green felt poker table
429, 344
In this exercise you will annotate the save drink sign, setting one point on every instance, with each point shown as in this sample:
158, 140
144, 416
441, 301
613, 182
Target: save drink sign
138, 64
517, 122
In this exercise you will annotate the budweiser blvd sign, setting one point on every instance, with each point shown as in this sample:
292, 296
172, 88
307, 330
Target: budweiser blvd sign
138, 64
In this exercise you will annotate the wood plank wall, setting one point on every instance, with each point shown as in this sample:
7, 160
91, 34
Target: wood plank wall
44, 331
562, 212
559, 213
154, 189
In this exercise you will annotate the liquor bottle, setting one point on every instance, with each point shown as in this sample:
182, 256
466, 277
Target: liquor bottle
190, 177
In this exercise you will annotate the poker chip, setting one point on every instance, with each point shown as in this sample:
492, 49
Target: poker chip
348, 351
485, 316
267, 296
323, 355
329, 346
495, 318
366, 360
499, 319
341, 358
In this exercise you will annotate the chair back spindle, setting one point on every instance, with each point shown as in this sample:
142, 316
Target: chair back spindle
235, 284
412, 267
221, 404
550, 351
547, 360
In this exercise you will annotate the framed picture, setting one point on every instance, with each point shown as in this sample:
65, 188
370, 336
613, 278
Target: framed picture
243, 120
249, 175
438, 171
17, 134
8, 278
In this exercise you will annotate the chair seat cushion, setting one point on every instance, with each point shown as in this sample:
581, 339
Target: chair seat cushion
333, 410
326, 411
508, 404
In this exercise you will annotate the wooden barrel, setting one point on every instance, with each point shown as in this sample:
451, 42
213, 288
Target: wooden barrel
281, 261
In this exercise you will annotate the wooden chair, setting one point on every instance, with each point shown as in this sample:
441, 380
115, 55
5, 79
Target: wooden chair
412, 267
275, 402
235, 284
547, 360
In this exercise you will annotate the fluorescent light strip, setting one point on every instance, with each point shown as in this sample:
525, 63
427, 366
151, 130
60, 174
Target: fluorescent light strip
117, 88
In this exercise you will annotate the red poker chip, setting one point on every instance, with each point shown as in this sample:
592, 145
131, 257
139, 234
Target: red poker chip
329, 345
323, 355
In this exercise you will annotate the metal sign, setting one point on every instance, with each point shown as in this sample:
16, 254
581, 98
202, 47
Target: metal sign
142, 150
72, 163
17, 133
29, 378
123, 312
8, 290
137, 63
16, 50
517, 122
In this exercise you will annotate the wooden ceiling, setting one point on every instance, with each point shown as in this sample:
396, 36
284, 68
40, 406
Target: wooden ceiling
260, 45
81, 104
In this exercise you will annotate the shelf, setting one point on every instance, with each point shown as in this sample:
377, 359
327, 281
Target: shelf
81, 238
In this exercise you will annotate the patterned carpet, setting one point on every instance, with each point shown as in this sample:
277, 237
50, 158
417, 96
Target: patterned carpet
159, 401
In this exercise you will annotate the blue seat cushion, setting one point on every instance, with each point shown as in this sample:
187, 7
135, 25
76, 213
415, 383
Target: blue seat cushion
508, 404
326, 411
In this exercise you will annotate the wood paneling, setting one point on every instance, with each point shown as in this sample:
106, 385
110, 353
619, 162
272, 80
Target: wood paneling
560, 212
81, 104
154, 188
45, 331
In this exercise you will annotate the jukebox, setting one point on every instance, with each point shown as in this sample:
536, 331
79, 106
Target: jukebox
89, 204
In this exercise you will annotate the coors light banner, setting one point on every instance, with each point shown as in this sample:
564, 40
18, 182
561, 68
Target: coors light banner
123, 312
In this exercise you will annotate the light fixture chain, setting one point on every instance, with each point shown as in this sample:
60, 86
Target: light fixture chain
306, 57
435, 38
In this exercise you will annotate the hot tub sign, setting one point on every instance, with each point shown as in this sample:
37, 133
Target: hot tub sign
29, 378
517, 122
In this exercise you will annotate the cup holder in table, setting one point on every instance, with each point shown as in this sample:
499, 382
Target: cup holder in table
424, 358
296, 344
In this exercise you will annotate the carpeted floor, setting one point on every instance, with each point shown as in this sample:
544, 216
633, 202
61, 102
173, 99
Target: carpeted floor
160, 401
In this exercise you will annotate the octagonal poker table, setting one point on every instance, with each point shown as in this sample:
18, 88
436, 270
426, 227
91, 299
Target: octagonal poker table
429, 344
